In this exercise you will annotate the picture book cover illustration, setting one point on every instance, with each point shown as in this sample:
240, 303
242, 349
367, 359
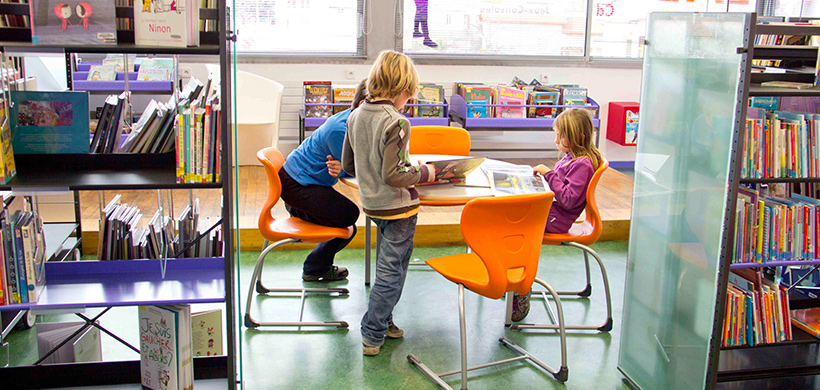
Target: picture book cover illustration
429, 94
50, 122
165, 333
207, 333
156, 69
512, 96
89, 22
343, 94
508, 183
102, 72
318, 92
166, 23
7, 166
478, 95
631, 131
456, 168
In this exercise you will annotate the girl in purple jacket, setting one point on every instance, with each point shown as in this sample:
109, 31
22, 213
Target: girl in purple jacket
569, 180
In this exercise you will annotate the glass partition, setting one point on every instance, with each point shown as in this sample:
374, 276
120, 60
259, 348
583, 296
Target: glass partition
689, 102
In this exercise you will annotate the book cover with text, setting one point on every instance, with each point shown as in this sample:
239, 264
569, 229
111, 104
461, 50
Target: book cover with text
166, 23
50, 122
55, 22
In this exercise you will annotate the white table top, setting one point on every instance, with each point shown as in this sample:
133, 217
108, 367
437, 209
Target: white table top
476, 184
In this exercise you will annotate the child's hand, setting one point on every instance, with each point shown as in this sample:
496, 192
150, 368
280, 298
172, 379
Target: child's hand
334, 167
541, 169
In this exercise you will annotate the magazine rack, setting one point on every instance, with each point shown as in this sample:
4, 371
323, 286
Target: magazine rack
459, 109
75, 285
312, 123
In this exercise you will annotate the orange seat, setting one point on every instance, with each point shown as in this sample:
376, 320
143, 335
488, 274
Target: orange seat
448, 140
581, 235
285, 231
505, 236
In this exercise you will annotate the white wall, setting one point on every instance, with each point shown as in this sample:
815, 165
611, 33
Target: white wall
604, 84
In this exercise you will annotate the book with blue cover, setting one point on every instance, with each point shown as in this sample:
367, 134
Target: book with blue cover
50, 122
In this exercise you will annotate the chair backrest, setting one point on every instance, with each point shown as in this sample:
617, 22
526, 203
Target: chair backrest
505, 232
439, 140
272, 160
592, 215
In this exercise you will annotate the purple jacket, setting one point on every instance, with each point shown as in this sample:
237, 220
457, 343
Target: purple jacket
569, 181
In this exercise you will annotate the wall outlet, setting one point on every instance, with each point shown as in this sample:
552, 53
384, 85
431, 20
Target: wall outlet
350, 74
184, 72
544, 78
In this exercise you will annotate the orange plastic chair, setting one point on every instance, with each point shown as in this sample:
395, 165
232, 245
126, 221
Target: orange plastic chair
285, 231
581, 235
454, 141
505, 236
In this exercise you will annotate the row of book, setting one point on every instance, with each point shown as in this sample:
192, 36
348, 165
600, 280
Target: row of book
146, 68
93, 22
122, 238
783, 40
781, 144
198, 144
757, 311
14, 20
770, 227
22, 253
315, 92
490, 100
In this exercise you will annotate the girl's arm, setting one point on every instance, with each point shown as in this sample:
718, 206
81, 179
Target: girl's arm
570, 190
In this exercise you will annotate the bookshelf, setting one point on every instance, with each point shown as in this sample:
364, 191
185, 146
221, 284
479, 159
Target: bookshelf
682, 233
103, 284
459, 109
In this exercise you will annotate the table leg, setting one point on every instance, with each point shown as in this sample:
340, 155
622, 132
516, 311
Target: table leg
367, 250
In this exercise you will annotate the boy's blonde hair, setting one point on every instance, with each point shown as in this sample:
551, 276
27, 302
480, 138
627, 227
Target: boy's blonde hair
391, 74
575, 127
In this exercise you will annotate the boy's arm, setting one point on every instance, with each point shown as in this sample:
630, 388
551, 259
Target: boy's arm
348, 164
397, 171
335, 143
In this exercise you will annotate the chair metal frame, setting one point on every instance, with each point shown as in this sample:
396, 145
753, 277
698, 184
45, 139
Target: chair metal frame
495, 288
256, 278
593, 219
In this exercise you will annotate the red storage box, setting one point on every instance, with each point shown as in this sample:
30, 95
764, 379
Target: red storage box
622, 122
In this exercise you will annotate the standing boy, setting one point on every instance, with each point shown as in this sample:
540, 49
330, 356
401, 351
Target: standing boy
376, 149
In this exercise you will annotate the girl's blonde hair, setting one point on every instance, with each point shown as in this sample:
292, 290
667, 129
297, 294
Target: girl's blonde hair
575, 127
391, 74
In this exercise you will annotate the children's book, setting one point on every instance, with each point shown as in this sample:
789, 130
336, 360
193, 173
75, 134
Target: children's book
512, 96
343, 94
165, 347
83, 347
102, 72
166, 22
7, 167
510, 183
786, 84
768, 103
90, 22
318, 92
207, 333
156, 69
456, 168
429, 94
481, 94
50, 122
118, 60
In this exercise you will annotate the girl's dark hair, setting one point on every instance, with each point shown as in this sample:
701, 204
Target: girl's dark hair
360, 94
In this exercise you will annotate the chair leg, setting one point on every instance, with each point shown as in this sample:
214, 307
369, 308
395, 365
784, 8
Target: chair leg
257, 285
560, 374
367, 250
587, 291
607, 325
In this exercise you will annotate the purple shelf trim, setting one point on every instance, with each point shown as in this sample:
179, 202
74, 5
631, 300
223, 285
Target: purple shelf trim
81, 84
458, 108
314, 122
429, 121
86, 66
774, 264
80, 284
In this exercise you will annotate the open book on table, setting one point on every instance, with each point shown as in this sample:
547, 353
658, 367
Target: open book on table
454, 170
509, 179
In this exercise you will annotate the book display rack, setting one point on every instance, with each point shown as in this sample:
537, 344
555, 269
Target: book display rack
459, 113
685, 208
104, 284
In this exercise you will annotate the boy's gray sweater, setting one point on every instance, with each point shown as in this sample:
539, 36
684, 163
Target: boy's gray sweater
376, 152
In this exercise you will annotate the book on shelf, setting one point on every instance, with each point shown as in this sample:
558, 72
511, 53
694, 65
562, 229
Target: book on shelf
119, 62
166, 23
50, 122
573, 96
543, 98
787, 84
84, 347
55, 22
166, 361
22, 253
102, 72
757, 311
317, 92
343, 94
768, 103
207, 333
108, 132
478, 94
429, 94
156, 69
511, 96
7, 166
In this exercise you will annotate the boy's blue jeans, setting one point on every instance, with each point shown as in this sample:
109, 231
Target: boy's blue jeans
395, 249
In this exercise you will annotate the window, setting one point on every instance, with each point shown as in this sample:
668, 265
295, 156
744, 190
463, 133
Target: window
619, 26
494, 27
299, 26
795, 8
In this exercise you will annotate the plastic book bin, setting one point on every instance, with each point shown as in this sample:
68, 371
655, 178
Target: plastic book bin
81, 84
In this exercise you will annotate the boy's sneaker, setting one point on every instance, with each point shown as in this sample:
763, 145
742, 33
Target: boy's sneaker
393, 331
368, 350
333, 274
521, 306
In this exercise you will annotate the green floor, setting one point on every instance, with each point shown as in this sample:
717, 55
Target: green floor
428, 312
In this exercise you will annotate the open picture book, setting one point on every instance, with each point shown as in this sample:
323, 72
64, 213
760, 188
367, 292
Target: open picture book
452, 170
509, 179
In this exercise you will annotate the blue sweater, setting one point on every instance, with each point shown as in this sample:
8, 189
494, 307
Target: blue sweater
308, 163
